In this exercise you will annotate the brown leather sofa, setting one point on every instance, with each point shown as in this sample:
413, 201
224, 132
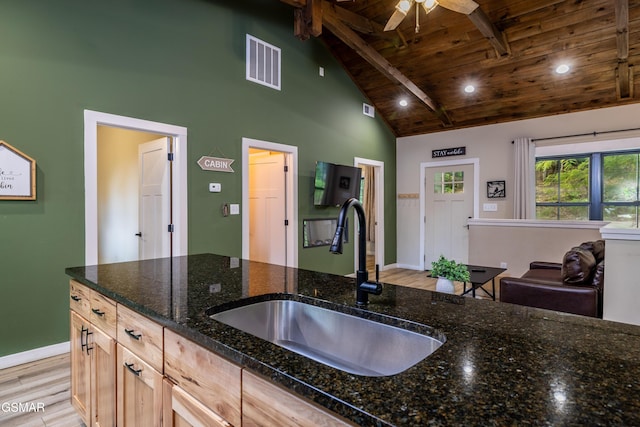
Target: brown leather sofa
573, 286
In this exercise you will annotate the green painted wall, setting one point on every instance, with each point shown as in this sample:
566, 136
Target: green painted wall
173, 61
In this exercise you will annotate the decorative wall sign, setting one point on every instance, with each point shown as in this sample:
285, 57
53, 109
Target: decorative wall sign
496, 189
17, 174
215, 164
448, 152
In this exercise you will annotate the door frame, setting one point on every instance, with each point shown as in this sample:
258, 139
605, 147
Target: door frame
291, 153
475, 161
92, 119
378, 167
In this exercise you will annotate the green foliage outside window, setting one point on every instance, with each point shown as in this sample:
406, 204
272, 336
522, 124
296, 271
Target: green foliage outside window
563, 191
560, 184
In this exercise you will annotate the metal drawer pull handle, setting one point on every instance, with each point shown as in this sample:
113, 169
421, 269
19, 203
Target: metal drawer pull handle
98, 312
75, 298
135, 372
132, 335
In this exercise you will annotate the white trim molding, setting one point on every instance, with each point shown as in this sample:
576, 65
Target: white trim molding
179, 208
537, 223
292, 195
475, 161
613, 232
36, 354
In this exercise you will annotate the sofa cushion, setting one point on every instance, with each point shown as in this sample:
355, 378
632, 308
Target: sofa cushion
596, 247
598, 276
544, 274
578, 266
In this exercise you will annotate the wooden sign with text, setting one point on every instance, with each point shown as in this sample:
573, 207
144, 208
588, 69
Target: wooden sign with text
17, 174
215, 164
447, 152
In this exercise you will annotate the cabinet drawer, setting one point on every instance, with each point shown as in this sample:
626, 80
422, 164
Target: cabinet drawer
141, 336
211, 379
79, 298
265, 403
103, 313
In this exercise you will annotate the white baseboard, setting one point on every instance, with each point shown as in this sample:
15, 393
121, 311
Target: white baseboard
409, 267
35, 354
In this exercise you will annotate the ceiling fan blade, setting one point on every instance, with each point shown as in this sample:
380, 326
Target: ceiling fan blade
460, 6
398, 15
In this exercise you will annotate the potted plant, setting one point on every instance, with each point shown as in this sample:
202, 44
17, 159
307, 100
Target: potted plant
447, 271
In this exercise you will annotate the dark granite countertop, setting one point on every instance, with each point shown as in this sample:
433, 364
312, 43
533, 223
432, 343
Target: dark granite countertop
502, 365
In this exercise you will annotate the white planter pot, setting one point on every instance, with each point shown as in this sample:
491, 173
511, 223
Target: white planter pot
444, 285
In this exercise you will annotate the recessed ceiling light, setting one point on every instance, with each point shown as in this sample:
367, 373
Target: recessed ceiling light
469, 88
403, 103
562, 69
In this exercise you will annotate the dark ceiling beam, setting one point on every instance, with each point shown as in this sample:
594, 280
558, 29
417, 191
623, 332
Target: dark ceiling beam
496, 38
624, 71
351, 39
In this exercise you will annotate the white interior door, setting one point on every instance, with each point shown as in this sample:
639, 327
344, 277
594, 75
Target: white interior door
267, 207
449, 203
155, 199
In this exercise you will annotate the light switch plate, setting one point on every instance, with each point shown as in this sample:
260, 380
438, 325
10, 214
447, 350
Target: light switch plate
234, 209
215, 187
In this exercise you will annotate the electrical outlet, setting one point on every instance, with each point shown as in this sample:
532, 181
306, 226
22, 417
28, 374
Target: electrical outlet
503, 265
234, 209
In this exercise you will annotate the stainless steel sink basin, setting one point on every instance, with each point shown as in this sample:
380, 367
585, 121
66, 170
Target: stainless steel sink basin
353, 344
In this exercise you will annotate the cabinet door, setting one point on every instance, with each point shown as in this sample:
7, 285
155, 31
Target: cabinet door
139, 391
264, 403
182, 410
80, 366
103, 380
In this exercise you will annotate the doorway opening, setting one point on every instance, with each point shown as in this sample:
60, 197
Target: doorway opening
175, 138
372, 197
446, 206
270, 201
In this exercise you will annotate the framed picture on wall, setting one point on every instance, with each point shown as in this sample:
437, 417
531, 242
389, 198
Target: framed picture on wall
17, 174
495, 189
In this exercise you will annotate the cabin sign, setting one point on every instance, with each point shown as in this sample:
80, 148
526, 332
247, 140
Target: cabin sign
215, 164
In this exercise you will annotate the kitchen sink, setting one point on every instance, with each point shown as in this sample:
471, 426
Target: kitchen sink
344, 341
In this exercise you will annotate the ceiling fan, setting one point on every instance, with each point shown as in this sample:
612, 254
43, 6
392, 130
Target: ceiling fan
403, 7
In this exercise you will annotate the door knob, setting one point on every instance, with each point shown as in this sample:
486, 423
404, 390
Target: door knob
139, 234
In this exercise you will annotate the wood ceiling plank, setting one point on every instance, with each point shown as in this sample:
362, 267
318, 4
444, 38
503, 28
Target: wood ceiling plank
350, 38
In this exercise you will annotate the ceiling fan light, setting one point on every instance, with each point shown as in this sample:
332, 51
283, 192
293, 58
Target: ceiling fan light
403, 6
430, 4
562, 69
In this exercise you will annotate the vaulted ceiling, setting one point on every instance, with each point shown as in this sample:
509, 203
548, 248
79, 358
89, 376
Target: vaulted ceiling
507, 49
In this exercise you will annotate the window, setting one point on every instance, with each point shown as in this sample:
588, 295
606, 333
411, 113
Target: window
562, 188
449, 182
596, 186
620, 188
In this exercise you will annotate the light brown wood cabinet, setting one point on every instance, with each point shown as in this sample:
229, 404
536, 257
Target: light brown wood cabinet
93, 360
139, 391
182, 410
266, 404
209, 378
129, 371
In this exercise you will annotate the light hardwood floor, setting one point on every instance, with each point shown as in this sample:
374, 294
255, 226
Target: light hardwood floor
44, 387
47, 381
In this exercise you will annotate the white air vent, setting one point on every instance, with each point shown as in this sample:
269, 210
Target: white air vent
368, 110
263, 63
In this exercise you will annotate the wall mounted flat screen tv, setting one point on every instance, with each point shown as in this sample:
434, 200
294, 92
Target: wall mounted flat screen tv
334, 184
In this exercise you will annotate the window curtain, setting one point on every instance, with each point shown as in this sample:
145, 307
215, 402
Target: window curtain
524, 203
370, 201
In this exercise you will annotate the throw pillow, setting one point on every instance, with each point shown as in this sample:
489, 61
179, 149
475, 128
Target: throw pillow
577, 266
